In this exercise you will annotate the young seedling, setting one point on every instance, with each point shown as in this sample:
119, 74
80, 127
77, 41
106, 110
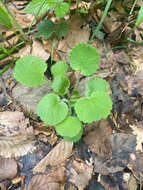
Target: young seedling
64, 108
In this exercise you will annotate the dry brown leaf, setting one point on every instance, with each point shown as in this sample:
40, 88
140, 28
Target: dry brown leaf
48, 47
56, 156
17, 8
16, 146
14, 123
8, 168
37, 49
58, 173
138, 131
76, 33
80, 174
97, 139
43, 182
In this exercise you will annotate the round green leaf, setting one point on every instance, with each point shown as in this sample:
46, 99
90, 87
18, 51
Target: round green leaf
60, 85
70, 128
51, 110
29, 70
60, 68
61, 9
84, 57
96, 84
94, 108
76, 138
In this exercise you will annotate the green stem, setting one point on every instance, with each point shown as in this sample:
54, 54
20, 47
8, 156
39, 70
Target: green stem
101, 21
5, 68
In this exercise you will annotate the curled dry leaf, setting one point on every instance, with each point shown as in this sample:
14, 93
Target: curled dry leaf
56, 156
43, 182
8, 168
14, 123
97, 139
80, 174
16, 146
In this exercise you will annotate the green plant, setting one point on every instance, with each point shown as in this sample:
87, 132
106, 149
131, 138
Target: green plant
65, 108
38, 7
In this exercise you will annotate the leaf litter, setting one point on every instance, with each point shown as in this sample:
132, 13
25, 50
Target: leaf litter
111, 150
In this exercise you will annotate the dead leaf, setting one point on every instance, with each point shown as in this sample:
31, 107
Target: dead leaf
37, 49
80, 174
8, 168
122, 57
56, 156
48, 44
97, 139
14, 123
109, 183
138, 131
42, 182
16, 146
76, 33
122, 146
136, 165
58, 173
134, 83
17, 8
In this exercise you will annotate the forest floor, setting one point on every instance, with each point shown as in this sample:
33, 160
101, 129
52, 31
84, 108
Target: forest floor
109, 155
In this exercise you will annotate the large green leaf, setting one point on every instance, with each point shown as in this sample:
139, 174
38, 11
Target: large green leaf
71, 128
29, 70
85, 58
51, 110
45, 29
40, 6
60, 68
96, 84
62, 9
60, 85
4, 18
94, 108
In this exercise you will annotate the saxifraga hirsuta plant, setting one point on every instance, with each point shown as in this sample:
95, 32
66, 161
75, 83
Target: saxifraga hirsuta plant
55, 107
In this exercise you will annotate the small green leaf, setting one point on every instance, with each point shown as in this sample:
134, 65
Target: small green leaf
140, 16
62, 9
38, 7
60, 68
62, 29
94, 108
60, 85
84, 57
71, 128
51, 110
45, 29
96, 84
4, 18
29, 70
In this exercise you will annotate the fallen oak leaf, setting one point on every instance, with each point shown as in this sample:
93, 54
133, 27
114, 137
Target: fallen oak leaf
56, 156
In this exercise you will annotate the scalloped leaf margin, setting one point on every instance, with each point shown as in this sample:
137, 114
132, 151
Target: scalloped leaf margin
29, 70
85, 58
